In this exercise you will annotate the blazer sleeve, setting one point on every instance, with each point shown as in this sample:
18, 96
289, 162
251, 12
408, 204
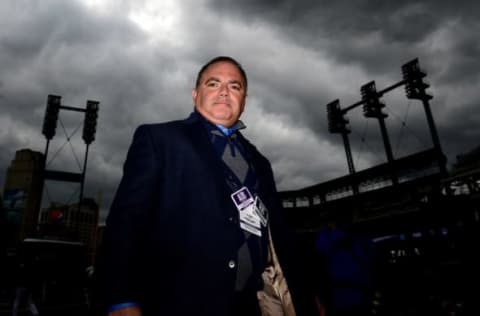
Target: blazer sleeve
124, 242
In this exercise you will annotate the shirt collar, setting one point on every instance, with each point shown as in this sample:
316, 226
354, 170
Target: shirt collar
225, 130
230, 130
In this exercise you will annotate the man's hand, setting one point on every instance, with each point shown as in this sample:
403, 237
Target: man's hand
126, 311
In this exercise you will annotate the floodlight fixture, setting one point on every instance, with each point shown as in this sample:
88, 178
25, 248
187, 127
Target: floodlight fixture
337, 123
372, 106
90, 122
51, 116
414, 85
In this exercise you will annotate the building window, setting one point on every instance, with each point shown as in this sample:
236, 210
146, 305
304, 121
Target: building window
316, 199
302, 202
288, 203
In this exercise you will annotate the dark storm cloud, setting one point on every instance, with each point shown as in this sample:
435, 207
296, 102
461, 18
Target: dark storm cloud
56, 52
60, 47
375, 34
299, 56
455, 134
408, 21
378, 37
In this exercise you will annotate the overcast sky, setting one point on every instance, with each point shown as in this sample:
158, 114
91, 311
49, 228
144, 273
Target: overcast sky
139, 59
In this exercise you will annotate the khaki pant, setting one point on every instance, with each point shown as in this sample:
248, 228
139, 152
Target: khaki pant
274, 299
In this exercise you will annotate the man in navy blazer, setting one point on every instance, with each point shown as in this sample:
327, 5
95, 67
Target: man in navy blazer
188, 230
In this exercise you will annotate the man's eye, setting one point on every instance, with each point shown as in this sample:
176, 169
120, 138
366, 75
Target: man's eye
212, 84
235, 87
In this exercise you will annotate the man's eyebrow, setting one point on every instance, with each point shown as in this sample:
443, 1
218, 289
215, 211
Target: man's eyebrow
212, 79
237, 82
218, 80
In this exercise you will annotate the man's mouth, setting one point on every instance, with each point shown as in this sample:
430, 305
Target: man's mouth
222, 103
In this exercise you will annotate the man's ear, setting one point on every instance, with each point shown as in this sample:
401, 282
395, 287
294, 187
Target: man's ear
194, 94
244, 103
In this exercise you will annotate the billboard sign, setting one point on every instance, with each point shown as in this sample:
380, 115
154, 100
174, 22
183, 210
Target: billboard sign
14, 201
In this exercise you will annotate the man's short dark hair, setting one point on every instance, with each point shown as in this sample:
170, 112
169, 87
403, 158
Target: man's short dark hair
222, 59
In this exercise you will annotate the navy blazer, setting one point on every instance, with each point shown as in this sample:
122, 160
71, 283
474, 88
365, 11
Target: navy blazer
172, 233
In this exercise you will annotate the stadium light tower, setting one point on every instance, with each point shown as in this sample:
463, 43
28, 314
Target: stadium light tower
89, 128
88, 135
51, 118
372, 108
337, 124
90, 122
415, 88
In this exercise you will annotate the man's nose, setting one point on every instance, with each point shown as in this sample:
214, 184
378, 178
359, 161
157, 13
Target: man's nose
224, 89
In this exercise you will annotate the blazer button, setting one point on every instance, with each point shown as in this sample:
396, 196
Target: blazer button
231, 264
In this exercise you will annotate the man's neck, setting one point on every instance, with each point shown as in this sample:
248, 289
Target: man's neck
224, 129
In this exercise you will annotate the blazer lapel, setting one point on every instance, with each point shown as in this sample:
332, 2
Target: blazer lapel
198, 136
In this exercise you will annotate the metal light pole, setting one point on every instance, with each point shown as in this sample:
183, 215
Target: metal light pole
372, 107
337, 123
415, 88
89, 129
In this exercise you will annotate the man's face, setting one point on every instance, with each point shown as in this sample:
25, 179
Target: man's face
220, 96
